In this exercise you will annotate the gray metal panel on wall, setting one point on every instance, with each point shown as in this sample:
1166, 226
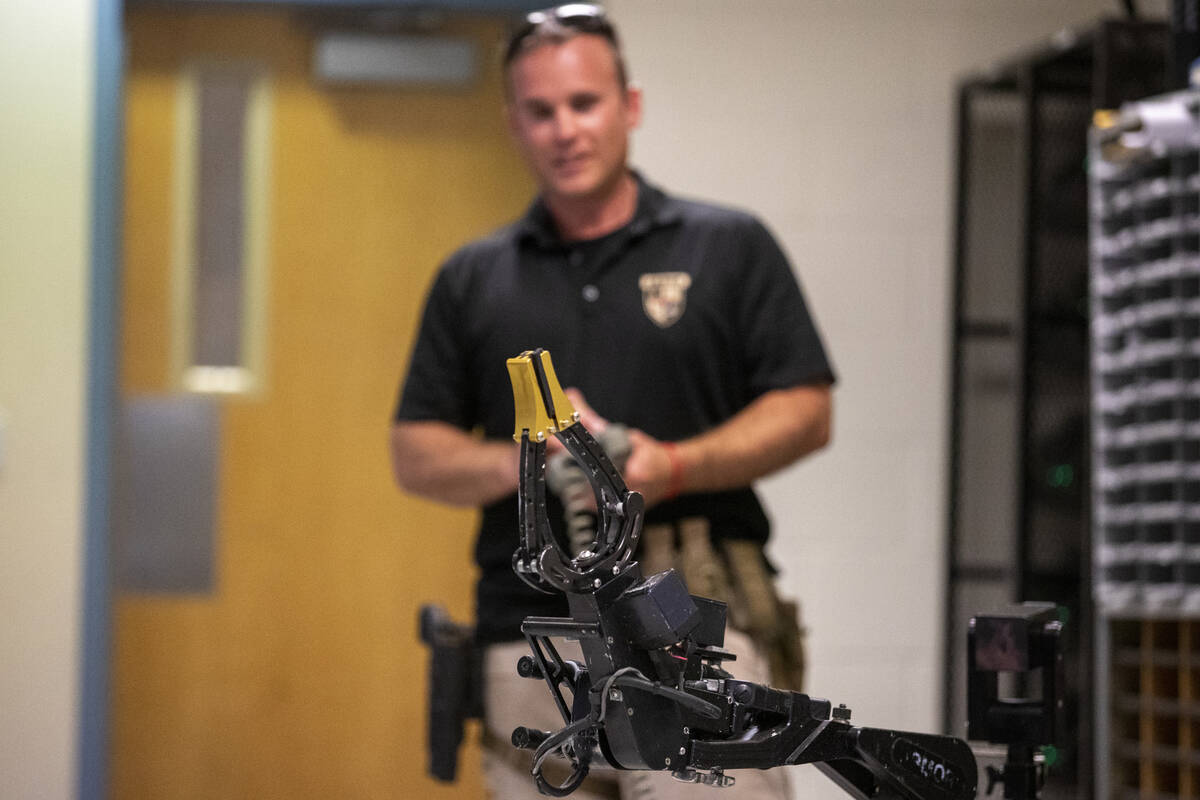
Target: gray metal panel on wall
164, 515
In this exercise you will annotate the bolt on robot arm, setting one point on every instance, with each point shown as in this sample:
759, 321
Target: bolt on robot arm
653, 692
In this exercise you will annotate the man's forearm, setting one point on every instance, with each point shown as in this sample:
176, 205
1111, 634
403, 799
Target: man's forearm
775, 430
441, 462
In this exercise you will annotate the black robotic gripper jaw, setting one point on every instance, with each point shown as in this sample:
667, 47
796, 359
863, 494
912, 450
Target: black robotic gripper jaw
652, 692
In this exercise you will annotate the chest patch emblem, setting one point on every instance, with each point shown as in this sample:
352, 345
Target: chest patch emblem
664, 296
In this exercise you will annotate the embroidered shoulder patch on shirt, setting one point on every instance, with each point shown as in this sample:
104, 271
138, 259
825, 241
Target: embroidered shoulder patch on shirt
664, 296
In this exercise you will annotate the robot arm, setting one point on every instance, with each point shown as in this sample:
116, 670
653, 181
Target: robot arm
653, 692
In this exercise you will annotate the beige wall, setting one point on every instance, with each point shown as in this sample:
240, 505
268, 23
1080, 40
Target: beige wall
834, 121
46, 69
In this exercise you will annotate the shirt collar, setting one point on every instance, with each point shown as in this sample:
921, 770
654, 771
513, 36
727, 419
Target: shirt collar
655, 209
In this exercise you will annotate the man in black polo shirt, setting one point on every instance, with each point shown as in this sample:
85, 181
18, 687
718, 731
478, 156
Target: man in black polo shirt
680, 319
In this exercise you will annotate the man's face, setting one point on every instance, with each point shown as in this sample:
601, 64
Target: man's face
571, 117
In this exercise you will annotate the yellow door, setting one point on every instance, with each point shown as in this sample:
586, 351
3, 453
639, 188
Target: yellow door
299, 674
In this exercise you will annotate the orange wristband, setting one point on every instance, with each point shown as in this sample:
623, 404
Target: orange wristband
675, 484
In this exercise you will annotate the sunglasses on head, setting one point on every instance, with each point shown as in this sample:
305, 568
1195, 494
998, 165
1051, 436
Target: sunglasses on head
581, 17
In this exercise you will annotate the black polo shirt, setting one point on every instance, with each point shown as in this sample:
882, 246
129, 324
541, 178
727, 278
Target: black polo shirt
671, 324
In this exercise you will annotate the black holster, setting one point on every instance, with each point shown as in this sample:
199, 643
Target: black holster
455, 687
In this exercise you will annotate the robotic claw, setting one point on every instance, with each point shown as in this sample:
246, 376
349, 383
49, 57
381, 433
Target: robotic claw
653, 692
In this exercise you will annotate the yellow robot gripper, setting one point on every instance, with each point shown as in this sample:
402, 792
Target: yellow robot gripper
542, 408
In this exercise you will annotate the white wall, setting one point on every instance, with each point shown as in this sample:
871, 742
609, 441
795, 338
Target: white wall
46, 69
834, 121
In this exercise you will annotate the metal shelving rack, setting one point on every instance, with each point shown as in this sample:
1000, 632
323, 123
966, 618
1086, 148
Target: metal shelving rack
1019, 499
1144, 181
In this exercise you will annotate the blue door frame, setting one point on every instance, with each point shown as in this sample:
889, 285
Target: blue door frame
92, 766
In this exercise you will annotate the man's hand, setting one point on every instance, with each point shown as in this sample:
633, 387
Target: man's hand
776, 429
648, 469
587, 415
